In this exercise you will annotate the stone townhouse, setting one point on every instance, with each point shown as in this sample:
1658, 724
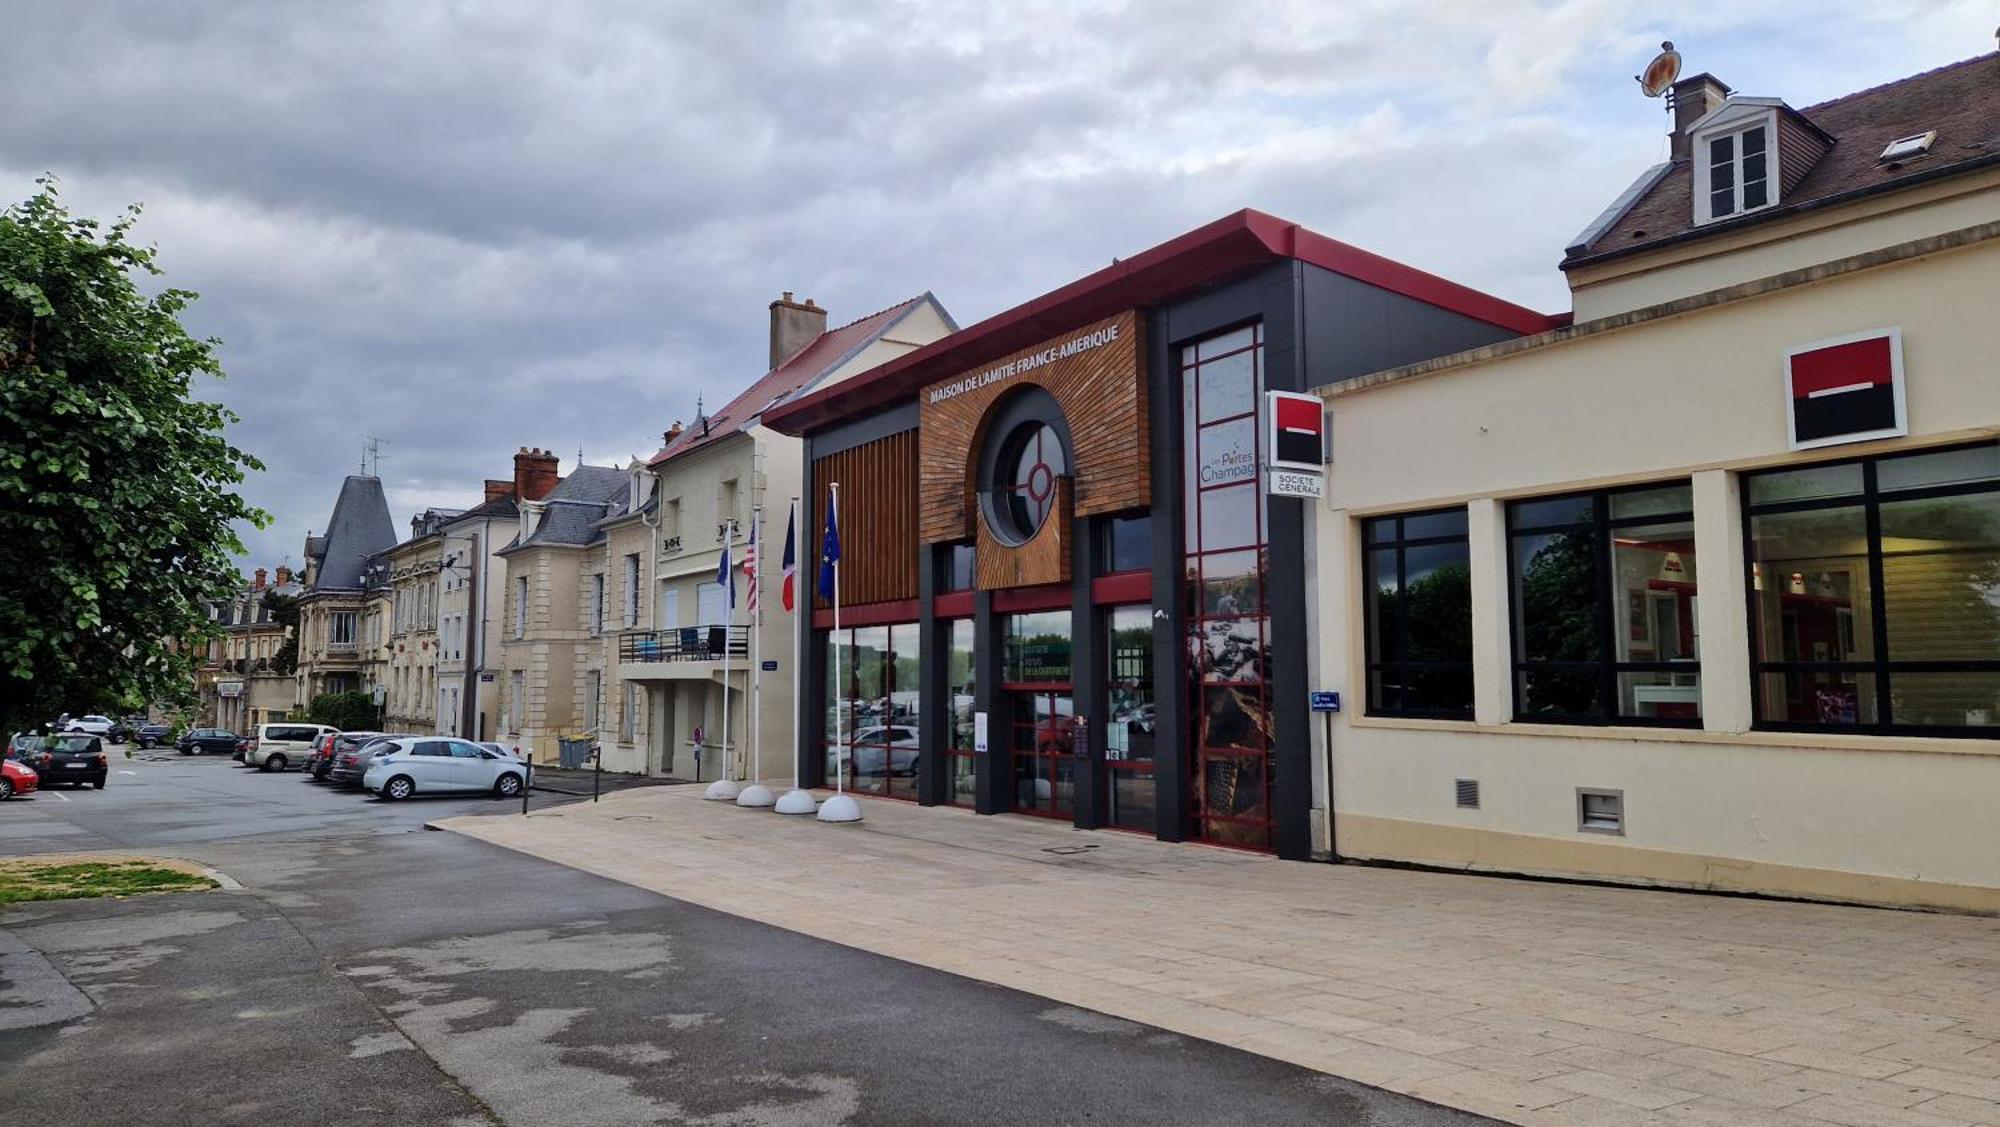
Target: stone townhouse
344, 601
616, 596
243, 683
711, 477
544, 639
471, 596
415, 572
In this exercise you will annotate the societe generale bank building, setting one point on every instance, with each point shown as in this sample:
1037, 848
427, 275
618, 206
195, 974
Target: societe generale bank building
1066, 588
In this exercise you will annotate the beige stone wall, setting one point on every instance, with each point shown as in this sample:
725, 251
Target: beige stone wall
1699, 397
1792, 243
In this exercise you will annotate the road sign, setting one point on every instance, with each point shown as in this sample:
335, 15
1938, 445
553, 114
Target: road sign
770, 666
1326, 702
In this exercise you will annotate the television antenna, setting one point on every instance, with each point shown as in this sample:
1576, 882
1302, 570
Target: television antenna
371, 455
1658, 77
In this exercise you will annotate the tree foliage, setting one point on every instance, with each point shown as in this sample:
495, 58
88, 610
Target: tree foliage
117, 486
350, 712
285, 612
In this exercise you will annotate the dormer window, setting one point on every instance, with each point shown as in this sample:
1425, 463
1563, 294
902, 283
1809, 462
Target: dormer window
1739, 172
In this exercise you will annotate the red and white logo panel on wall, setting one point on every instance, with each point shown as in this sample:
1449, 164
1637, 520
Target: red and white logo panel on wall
1298, 430
1846, 389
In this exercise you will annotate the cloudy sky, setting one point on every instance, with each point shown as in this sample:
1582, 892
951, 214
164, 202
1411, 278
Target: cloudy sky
464, 227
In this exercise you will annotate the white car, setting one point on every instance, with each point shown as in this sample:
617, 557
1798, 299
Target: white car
95, 725
413, 765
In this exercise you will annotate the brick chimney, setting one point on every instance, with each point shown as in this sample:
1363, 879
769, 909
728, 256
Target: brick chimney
667, 436
284, 575
534, 473
1693, 98
498, 488
258, 583
793, 326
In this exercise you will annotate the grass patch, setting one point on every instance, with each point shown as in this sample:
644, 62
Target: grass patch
24, 881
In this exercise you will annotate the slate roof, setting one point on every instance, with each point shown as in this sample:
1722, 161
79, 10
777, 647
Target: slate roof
827, 352
574, 507
500, 508
359, 528
1961, 101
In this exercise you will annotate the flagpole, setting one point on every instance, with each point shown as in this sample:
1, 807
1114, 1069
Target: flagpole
725, 789
756, 795
798, 800
839, 808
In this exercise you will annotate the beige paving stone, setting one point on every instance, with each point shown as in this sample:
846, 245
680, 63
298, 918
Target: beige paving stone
1984, 1112
1541, 1003
1621, 1089
1860, 1113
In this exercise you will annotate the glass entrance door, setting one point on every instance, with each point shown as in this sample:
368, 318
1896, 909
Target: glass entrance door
1041, 713
1044, 751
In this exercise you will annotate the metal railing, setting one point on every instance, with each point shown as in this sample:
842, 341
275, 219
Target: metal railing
687, 643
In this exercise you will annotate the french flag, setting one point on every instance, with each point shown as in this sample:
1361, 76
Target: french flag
1845, 389
791, 560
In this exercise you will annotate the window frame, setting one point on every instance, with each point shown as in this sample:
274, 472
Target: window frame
1882, 668
1602, 526
1370, 665
1704, 212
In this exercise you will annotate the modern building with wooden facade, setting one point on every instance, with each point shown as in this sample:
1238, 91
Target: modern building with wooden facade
1064, 590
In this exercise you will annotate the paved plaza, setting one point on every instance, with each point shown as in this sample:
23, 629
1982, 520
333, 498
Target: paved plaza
1534, 1002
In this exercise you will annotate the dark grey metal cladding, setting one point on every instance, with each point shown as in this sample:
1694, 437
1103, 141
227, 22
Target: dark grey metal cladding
810, 735
1353, 328
994, 771
933, 675
1086, 671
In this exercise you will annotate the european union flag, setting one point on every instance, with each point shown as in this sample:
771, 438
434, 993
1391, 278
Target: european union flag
829, 549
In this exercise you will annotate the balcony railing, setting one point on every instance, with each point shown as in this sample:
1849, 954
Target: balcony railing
343, 647
688, 643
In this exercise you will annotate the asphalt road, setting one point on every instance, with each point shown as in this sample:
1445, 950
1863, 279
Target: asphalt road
369, 971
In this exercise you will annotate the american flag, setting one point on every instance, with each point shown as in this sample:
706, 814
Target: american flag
750, 565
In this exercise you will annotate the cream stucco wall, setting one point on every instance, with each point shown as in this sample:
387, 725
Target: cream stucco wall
1763, 249
477, 647
1701, 396
546, 652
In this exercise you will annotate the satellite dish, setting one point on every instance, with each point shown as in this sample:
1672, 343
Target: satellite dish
1661, 72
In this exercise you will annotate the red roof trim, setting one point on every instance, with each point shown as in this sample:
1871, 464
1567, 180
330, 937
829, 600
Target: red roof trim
1201, 257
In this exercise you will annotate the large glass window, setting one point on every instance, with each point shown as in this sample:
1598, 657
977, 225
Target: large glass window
1128, 543
1035, 672
1037, 649
1129, 725
1604, 598
1875, 594
876, 705
962, 761
1228, 629
1418, 577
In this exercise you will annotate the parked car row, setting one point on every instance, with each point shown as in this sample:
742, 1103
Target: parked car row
32, 762
400, 765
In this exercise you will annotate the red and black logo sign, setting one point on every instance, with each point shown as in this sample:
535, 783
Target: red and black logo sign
1846, 390
1297, 430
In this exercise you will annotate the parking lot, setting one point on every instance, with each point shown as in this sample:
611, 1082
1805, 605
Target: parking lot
368, 971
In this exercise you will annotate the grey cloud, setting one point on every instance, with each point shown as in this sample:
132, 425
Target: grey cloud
465, 228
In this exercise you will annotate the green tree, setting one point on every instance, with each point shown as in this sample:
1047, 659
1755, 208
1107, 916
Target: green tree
350, 712
118, 500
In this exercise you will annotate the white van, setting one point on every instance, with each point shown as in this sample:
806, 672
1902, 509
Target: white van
284, 745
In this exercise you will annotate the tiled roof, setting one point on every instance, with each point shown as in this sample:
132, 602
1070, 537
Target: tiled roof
576, 505
359, 528
825, 353
1960, 101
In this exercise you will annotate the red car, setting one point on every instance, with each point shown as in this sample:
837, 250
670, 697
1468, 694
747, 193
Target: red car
17, 778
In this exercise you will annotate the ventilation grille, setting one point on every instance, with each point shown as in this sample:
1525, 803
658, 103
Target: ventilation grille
1600, 811
1468, 794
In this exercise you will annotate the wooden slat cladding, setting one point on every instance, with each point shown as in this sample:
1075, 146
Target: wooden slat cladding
878, 520
1102, 392
1043, 559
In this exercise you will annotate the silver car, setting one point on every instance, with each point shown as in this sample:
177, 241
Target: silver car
415, 765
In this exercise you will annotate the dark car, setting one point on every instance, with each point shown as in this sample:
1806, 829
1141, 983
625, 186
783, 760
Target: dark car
350, 765
331, 747
154, 735
73, 759
208, 741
